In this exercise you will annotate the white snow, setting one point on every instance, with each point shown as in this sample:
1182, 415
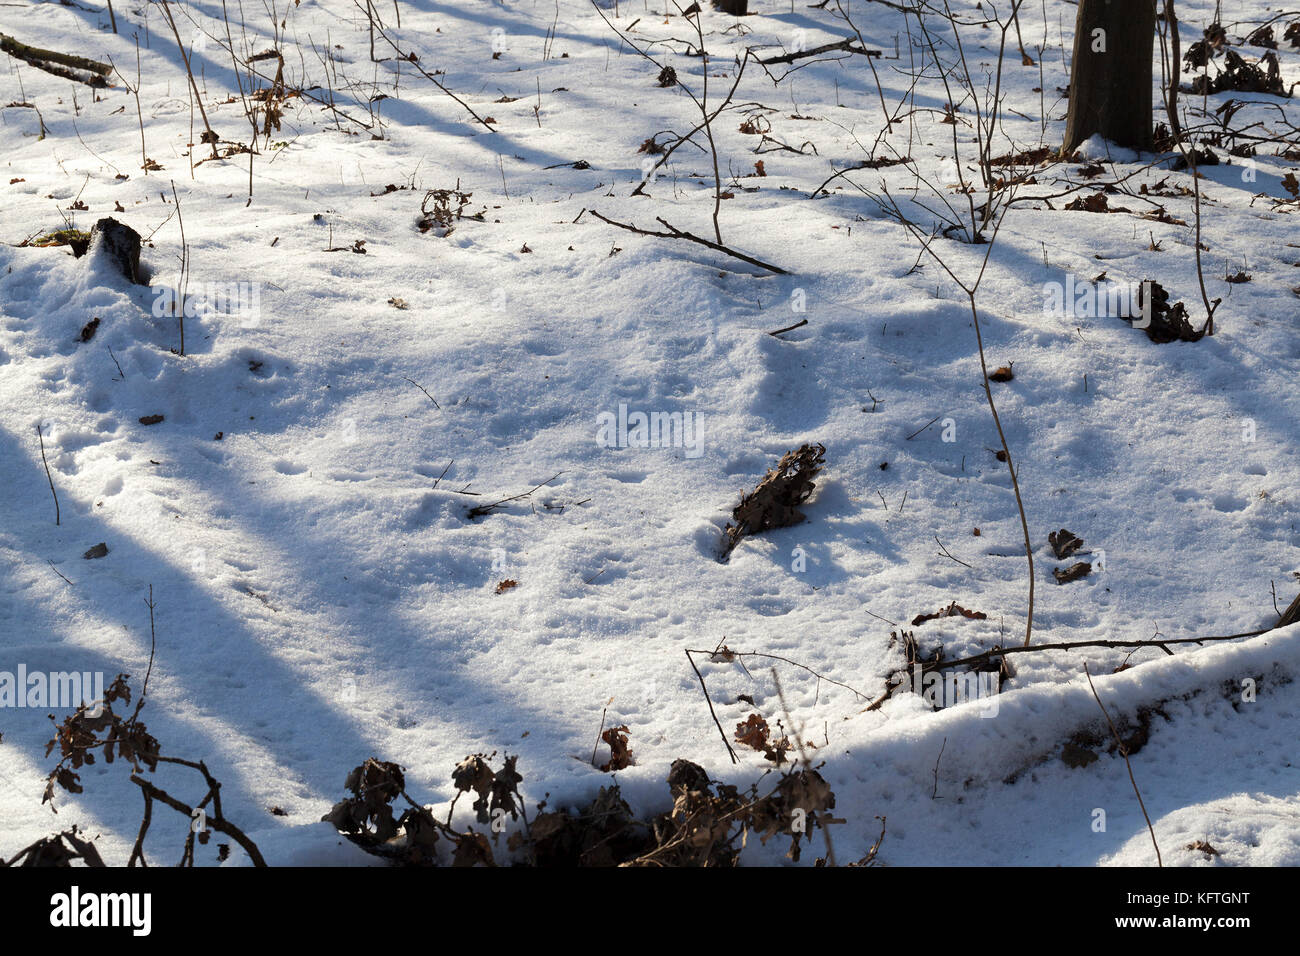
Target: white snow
323, 595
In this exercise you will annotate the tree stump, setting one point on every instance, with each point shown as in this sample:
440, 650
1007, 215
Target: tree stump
119, 245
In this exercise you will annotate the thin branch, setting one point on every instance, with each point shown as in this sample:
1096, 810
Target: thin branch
481, 510
1123, 750
675, 233
47, 475
947, 555
708, 700
998, 652
846, 45
426, 392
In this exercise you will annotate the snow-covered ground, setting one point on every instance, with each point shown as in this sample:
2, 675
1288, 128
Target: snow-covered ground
302, 510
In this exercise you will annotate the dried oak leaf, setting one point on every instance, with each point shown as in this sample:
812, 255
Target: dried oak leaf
620, 757
1073, 573
774, 503
753, 732
1097, 202
506, 585
1002, 374
473, 773
471, 849
505, 788
952, 610
1064, 543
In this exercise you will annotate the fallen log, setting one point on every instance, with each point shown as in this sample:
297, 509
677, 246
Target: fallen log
65, 65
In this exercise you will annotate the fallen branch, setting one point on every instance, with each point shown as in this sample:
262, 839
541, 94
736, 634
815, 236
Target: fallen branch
675, 233
1291, 615
990, 655
56, 63
216, 822
790, 328
709, 700
846, 45
479, 510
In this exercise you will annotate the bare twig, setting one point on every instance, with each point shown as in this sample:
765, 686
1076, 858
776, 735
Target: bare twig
998, 652
946, 554
1123, 750
426, 392
790, 328
47, 474
708, 700
675, 233
845, 45
480, 510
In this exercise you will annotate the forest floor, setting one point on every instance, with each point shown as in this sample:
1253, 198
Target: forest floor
359, 375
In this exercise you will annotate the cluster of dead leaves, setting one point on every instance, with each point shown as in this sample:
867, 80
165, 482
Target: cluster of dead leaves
1098, 202
620, 754
605, 833
367, 818
1031, 157
495, 790
368, 813
1169, 323
754, 732
1263, 76
708, 819
59, 850
775, 502
82, 734
437, 214
708, 824
1065, 543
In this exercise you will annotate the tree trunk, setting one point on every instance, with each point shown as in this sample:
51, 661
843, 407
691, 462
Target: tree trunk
1110, 86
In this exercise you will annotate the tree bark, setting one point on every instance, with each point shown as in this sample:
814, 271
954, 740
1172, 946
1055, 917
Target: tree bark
1110, 85
43, 59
